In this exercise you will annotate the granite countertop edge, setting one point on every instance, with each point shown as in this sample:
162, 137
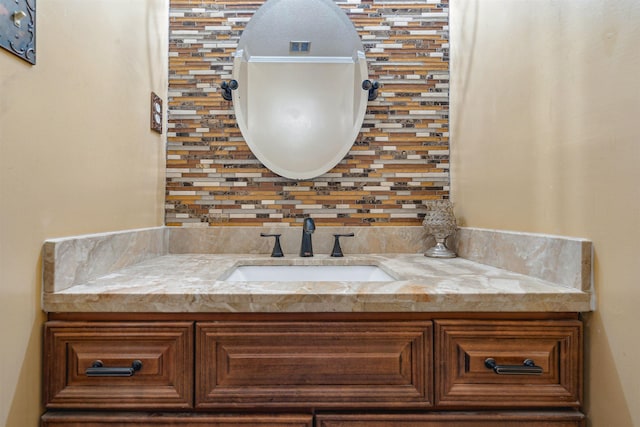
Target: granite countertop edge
195, 283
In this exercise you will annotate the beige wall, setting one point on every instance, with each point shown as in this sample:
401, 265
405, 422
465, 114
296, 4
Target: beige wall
76, 156
545, 115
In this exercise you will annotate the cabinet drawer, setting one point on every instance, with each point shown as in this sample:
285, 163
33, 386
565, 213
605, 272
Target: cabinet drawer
313, 364
164, 379
464, 376
60, 419
455, 419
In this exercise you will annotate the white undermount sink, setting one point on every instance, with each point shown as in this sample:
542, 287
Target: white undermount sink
308, 273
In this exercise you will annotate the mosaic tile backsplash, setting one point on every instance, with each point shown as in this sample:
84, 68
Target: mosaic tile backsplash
399, 159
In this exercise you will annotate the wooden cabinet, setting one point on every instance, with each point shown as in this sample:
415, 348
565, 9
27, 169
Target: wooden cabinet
164, 379
467, 350
455, 419
341, 371
314, 364
102, 419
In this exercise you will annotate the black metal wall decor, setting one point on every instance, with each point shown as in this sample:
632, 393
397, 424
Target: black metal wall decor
18, 28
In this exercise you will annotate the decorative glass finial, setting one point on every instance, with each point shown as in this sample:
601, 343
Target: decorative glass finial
440, 223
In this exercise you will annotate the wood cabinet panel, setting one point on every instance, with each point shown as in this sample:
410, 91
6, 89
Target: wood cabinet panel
165, 379
62, 419
313, 364
464, 380
457, 419
261, 369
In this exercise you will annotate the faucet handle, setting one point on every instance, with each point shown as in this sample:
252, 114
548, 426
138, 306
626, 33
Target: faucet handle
277, 250
337, 250
308, 225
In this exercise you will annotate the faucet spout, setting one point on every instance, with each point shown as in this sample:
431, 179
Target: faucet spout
306, 247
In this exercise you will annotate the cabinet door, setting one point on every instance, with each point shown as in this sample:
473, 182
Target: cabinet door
163, 378
455, 419
313, 364
482, 363
62, 419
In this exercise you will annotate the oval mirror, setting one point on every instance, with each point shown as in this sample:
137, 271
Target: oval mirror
299, 102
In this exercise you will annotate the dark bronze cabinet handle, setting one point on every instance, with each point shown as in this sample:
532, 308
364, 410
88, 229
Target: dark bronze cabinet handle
528, 367
98, 370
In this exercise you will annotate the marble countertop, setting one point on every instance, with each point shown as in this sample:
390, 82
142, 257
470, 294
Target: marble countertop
194, 282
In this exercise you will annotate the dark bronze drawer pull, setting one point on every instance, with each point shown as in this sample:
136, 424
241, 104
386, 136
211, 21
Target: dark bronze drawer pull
98, 370
528, 367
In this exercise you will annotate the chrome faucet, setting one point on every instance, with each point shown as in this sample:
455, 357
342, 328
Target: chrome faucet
308, 227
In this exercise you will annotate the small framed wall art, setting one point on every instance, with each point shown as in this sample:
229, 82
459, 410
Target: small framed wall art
18, 28
156, 113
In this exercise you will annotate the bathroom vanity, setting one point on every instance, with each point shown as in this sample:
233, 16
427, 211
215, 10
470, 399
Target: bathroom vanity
154, 336
334, 370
